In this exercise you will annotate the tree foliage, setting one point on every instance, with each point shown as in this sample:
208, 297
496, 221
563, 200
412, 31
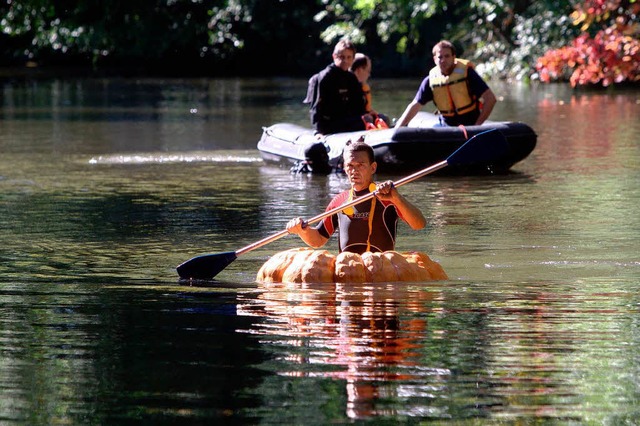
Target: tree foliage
503, 36
221, 36
514, 34
400, 22
264, 37
607, 51
98, 31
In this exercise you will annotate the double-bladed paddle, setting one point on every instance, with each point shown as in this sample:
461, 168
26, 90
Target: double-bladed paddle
482, 147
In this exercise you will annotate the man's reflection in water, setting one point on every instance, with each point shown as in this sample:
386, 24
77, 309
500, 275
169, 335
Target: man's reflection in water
368, 334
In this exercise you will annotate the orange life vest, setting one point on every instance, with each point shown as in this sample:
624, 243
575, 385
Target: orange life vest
451, 92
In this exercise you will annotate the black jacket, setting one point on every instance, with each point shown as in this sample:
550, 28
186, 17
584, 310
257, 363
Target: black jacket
337, 101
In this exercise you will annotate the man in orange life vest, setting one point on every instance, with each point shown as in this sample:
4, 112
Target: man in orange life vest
361, 67
369, 225
460, 94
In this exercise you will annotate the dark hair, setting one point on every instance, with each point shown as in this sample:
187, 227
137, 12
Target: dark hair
444, 44
359, 146
360, 61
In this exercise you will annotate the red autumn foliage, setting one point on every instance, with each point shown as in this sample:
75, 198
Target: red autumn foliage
611, 56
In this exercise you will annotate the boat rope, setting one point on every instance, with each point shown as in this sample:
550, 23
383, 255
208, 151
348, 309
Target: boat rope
464, 130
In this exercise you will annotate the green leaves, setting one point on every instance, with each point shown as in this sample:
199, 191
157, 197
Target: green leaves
504, 38
400, 20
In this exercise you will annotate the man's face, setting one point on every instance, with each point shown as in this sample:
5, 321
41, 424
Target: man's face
444, 59
358, 169
344, 59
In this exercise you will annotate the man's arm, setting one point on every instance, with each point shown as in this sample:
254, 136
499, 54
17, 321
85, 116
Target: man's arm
489, 101
412, 109
410, 213
310, 235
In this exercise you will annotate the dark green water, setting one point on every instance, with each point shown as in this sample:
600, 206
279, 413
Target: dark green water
107, 185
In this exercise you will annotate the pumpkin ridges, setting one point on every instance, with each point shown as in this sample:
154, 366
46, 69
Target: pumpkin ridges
306, 265
293, 272
419, 260
272, 270
319, 267
435, 269
378, 268
349, 268
406, 271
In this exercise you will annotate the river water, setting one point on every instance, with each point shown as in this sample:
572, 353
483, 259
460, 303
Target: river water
107, 184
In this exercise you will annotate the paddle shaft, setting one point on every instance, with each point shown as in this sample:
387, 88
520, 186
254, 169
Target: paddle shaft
335, 210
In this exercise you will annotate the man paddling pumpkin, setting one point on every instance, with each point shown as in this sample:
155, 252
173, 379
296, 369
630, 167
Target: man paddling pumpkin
367, 226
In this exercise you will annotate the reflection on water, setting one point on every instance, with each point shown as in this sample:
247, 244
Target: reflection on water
106, 185
367, 335
449, 351
594, 144
124, 115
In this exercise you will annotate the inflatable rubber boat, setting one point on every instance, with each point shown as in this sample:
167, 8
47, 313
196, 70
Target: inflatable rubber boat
421, 144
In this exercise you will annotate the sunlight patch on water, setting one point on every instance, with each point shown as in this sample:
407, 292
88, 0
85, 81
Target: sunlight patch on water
569, 263
187, 157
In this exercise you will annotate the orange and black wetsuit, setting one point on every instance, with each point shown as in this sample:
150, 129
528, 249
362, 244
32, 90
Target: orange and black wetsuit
359, 230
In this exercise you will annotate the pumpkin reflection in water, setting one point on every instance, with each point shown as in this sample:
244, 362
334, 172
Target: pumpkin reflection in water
350, 318
367, 334
306, 265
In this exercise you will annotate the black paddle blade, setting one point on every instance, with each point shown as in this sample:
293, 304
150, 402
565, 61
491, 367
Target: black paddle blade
483, 147
205, 267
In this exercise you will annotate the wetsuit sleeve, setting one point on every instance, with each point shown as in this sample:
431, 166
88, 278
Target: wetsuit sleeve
327, 227
329, 224
424, 94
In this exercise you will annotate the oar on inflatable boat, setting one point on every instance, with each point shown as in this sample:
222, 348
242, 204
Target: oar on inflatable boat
480, 148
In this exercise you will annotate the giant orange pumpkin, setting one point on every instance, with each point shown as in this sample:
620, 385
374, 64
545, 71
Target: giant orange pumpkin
305, 265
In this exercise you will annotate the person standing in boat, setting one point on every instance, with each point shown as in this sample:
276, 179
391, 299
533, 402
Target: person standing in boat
367, 226
335, 95
361, 67
460, 94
